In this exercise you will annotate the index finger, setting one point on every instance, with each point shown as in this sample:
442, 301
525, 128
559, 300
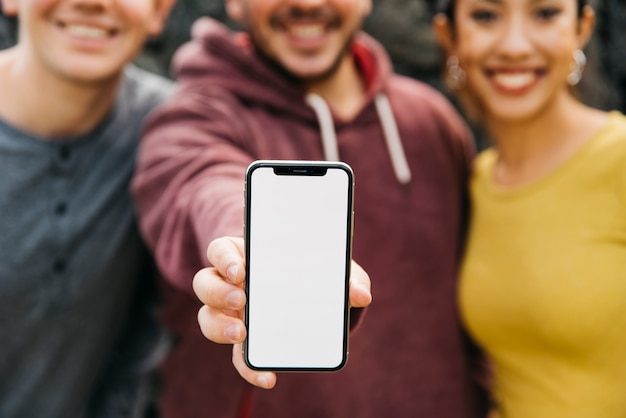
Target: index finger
226, 255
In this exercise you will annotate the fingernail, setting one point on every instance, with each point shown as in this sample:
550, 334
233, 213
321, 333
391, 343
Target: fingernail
232, 272
234, 299
359, 287
233, 332
263, 381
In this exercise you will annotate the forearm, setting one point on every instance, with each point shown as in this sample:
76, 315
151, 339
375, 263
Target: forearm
188, 190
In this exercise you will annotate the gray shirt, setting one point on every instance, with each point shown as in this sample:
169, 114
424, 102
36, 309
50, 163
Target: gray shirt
71, 260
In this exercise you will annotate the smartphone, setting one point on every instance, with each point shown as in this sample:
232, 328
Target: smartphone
298, 244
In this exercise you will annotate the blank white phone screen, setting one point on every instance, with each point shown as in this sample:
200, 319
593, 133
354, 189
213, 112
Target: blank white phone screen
298, 239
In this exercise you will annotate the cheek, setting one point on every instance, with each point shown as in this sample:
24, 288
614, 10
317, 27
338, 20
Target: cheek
473, 50
472, 43
558, 40
39, 8
137, 13
348, 4
364, 8
259, 10
558, 48
351, 10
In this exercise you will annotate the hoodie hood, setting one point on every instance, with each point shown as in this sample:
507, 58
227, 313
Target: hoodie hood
218, 58
221, 57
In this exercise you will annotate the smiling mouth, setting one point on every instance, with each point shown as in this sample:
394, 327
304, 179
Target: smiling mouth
514, 81
305, 25
311, 31
87, 31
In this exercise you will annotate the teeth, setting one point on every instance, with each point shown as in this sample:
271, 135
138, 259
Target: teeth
513, 81
306, 31
86, 31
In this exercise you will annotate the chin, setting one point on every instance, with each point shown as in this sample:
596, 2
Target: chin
312, 73
96, 66
92, 76
315, 66
310, 77
513, 111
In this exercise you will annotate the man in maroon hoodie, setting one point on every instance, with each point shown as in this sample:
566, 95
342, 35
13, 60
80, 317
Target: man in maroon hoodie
304, 83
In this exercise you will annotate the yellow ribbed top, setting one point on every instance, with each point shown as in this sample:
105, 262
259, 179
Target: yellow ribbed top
543, 286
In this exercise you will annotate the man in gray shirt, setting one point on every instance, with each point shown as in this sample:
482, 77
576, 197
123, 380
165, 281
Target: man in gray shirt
77, 325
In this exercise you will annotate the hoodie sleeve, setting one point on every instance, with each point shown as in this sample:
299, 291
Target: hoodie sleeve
188, 186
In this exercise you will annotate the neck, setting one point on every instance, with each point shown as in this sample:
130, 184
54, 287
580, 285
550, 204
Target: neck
48, 105
532, 148
344, 91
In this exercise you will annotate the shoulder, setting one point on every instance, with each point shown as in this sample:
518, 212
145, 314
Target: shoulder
610, 151
200, 101
610, 142
139, 94
613, 138
433, 132
428, 111
197, 112
422, 97
143, 90
617, 126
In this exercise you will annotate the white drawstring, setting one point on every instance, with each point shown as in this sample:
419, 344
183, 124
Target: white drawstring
390, 132
392, 138
327, 127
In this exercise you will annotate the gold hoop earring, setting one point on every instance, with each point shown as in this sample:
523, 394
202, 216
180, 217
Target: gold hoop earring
456, 75
575, 75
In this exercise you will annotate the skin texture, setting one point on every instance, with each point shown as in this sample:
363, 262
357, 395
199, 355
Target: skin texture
86, 40
309, 40
73, 49
516, 55
220, 288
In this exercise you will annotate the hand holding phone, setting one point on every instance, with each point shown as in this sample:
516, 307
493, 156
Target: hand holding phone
220, 289
298, 236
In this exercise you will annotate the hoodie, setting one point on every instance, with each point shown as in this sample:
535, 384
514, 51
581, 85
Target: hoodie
409, 151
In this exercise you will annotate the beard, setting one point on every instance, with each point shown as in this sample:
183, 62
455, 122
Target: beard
322, 76
279, 21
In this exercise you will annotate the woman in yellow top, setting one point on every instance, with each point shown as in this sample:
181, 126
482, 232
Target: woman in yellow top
543, 286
